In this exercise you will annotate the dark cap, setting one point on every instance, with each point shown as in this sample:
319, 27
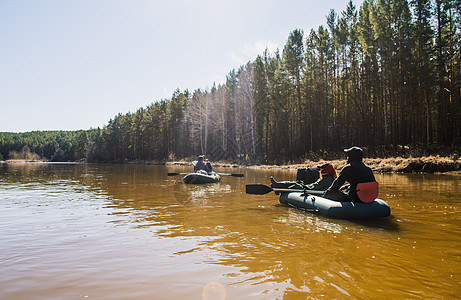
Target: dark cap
353, 149
354, 154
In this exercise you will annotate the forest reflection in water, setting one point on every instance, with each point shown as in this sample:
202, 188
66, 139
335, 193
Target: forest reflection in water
129, 231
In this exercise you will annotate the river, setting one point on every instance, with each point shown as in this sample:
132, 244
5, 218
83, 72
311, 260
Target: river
78, 231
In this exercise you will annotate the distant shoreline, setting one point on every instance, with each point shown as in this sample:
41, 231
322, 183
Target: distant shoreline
428, 164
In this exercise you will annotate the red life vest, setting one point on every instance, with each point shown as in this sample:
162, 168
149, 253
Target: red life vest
367, 191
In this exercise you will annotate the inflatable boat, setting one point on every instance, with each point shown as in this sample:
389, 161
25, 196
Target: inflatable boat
335, 209
200, 177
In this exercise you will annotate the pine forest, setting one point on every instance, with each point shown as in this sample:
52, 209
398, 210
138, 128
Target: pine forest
382, 76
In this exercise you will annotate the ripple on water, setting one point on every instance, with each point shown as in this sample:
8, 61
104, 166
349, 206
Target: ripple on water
131, 232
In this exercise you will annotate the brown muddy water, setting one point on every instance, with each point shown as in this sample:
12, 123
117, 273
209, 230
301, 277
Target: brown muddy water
83, 231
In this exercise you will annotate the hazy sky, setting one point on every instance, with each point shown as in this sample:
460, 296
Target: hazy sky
75, 64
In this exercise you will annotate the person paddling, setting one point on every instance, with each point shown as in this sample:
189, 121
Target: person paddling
362, 185
208, 166
203, 164
328, 175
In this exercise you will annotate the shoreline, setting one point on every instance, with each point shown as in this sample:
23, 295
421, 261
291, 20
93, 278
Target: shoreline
425, 164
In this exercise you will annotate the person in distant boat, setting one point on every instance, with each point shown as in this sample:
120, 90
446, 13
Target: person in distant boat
203, 164
208, 166
355, 172
328, 175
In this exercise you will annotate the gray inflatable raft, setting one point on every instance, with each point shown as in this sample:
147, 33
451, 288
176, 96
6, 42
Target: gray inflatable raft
335, 209
199, 178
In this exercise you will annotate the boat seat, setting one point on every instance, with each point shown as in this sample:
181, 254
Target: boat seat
367, 191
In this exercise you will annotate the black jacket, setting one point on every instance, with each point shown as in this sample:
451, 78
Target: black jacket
200, 165
354, 172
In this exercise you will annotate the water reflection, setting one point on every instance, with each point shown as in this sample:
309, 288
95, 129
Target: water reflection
205, 237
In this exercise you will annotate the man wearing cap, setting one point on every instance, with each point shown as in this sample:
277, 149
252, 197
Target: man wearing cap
201, 165
328, 175
354, 172
208, 166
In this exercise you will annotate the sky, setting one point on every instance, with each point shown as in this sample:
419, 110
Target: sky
76, 64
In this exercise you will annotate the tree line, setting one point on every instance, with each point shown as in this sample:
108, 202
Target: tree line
385, 75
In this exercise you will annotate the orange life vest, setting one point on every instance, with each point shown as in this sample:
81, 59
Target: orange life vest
367, 191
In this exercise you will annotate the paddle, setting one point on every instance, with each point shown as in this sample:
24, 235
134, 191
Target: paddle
229, 174
221, 174
261, 189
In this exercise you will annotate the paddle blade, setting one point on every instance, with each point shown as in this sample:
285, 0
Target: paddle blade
172, 174
258, 189
237, 175
229, 174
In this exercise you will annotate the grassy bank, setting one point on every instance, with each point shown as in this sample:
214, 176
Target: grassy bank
20, 161
427, 164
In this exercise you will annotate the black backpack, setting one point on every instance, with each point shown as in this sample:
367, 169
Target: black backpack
307, 175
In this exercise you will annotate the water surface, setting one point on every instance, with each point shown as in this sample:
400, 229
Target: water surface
71, 231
